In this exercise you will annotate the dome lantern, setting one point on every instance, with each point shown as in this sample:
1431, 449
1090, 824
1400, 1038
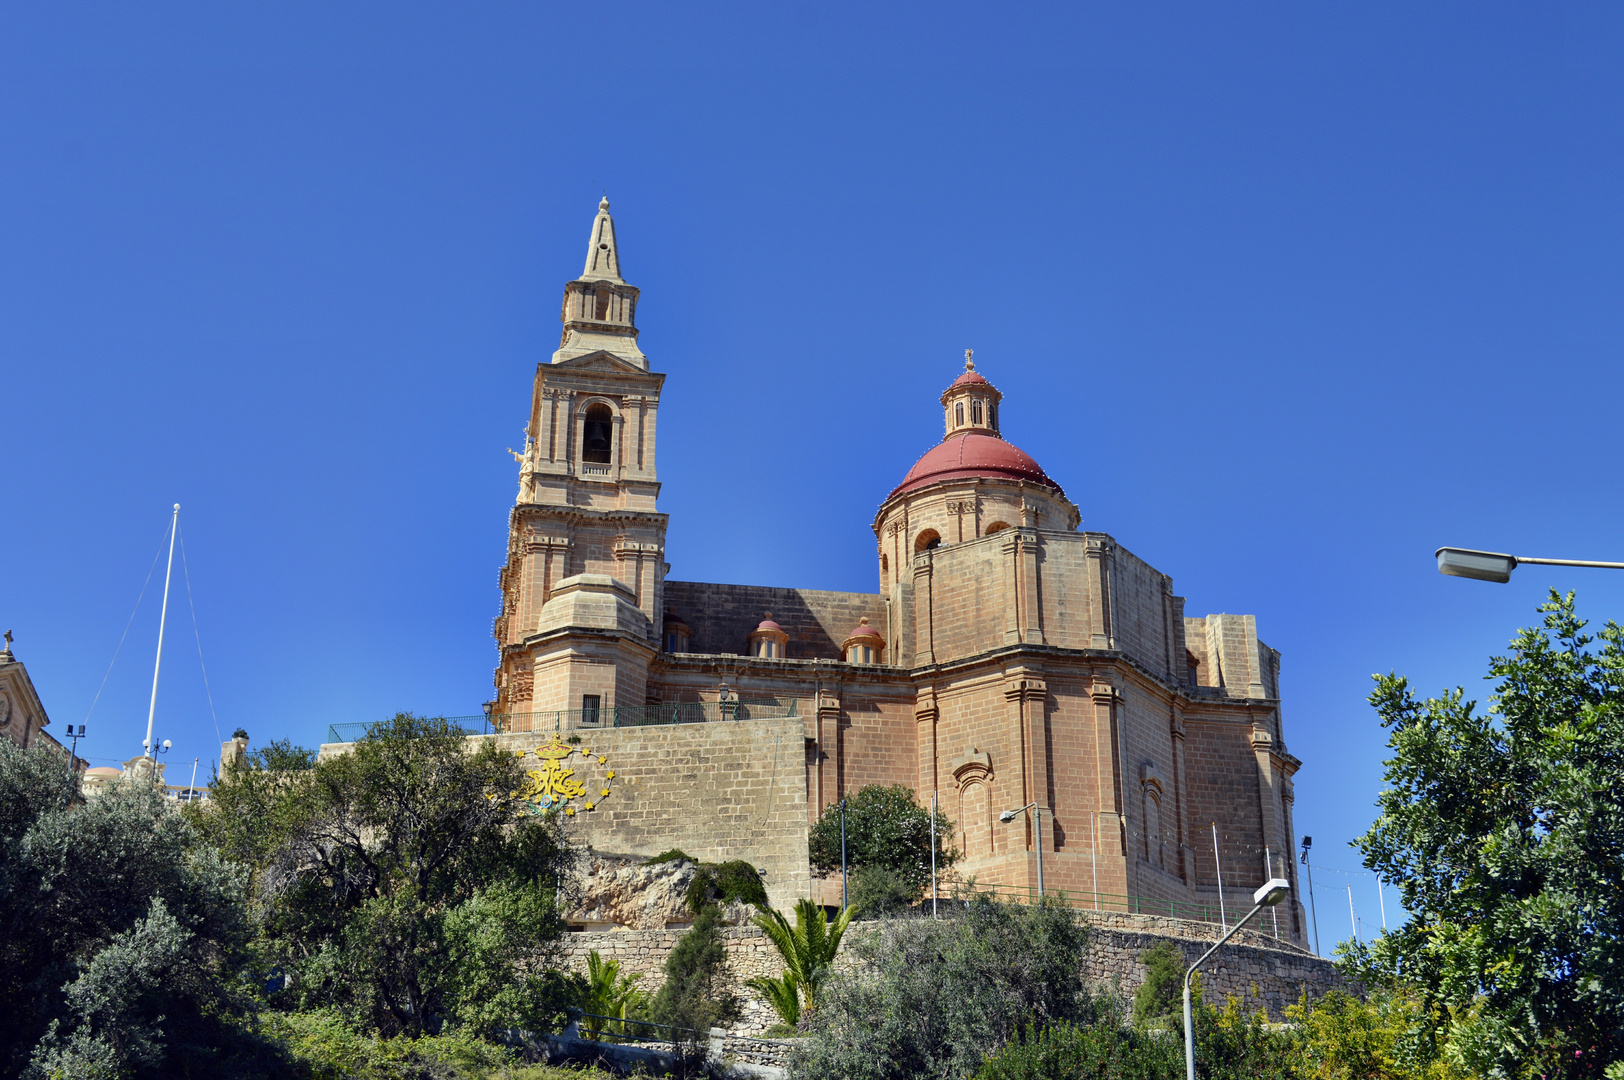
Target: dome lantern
971, 403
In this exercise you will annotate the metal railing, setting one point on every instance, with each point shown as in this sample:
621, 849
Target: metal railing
560, 720
1193, 911
472, 725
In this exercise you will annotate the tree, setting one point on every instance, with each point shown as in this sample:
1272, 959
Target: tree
122, 938
1504, 833
1161, 995
808, 948
927, 998
695, 994
885, 828
406, 883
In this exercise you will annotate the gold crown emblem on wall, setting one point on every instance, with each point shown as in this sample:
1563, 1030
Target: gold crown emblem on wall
555, 786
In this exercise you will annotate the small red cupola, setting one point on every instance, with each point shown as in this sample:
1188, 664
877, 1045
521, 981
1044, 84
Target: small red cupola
863, 645
768, 640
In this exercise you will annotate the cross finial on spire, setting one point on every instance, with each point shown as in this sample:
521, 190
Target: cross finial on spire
969, 359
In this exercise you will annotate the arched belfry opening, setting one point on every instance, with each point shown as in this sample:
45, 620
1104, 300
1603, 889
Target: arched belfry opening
595, 438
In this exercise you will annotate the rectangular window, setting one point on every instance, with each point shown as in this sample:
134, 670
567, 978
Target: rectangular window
591, 706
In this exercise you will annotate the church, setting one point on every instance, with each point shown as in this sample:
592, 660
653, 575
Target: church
1006, 661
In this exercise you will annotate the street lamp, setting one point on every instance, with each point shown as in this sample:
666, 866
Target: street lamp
1270, 893
1494, 566
73, 752
1037, 819
152, 753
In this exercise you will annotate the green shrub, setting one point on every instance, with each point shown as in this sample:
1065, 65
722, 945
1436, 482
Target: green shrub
927, 998
1160, 997
880, 891
673, 855
725, 883
1101, 1051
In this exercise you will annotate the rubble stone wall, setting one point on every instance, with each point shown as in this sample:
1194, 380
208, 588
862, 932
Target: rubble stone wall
1253, 966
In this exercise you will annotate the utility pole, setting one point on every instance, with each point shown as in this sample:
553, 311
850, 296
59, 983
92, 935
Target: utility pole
842, 854
933, 796
1308, 842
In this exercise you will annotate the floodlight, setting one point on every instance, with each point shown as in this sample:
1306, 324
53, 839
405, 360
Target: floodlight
1271, 892
1481, 565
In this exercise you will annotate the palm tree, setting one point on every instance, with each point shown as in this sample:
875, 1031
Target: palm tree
784, 995
608, 993
808, 948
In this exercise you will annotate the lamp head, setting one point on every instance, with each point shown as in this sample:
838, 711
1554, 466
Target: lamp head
1482, 565
166, 744
1008, 816
1308, 842
1271, 892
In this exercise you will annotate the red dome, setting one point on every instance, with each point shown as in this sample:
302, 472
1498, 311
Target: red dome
969, 378
863, 630
971, 455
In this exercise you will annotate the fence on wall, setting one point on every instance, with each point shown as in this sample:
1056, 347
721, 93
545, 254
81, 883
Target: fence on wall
610, 716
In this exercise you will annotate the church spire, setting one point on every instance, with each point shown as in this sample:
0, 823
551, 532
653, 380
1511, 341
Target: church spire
600, 309
602, 253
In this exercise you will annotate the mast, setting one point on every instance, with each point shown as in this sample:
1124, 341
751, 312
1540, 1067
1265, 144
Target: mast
152, 708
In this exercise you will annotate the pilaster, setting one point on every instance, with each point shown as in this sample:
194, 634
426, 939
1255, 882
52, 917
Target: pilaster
1098, 551
926, 715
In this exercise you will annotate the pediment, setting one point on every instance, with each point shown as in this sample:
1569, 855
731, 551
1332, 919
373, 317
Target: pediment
600, 360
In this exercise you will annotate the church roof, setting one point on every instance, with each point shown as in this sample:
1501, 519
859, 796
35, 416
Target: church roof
971, 455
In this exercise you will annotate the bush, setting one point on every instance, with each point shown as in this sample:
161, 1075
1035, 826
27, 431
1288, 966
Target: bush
1160, 997
673, 855
725, 883
927, 998
880, 891
1101, 1051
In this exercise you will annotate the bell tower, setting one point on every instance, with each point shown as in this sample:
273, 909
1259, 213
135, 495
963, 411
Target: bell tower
583, 587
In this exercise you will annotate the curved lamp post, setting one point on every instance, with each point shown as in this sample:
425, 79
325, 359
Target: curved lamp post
1037, 819
1494, 566
1269, 894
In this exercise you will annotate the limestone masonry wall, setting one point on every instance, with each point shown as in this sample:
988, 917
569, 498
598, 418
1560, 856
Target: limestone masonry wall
1253, 966
727, 790
817, 621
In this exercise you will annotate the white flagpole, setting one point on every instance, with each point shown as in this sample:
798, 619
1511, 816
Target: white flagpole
163, 614
1352, 919
1222, 918
1383, 900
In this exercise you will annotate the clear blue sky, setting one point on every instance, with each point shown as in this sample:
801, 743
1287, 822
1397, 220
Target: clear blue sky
1285, 296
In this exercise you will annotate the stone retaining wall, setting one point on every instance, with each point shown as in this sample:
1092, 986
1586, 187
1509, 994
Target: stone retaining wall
1253, 966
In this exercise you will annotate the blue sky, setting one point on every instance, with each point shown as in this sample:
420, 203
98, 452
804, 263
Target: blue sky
1284, 296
